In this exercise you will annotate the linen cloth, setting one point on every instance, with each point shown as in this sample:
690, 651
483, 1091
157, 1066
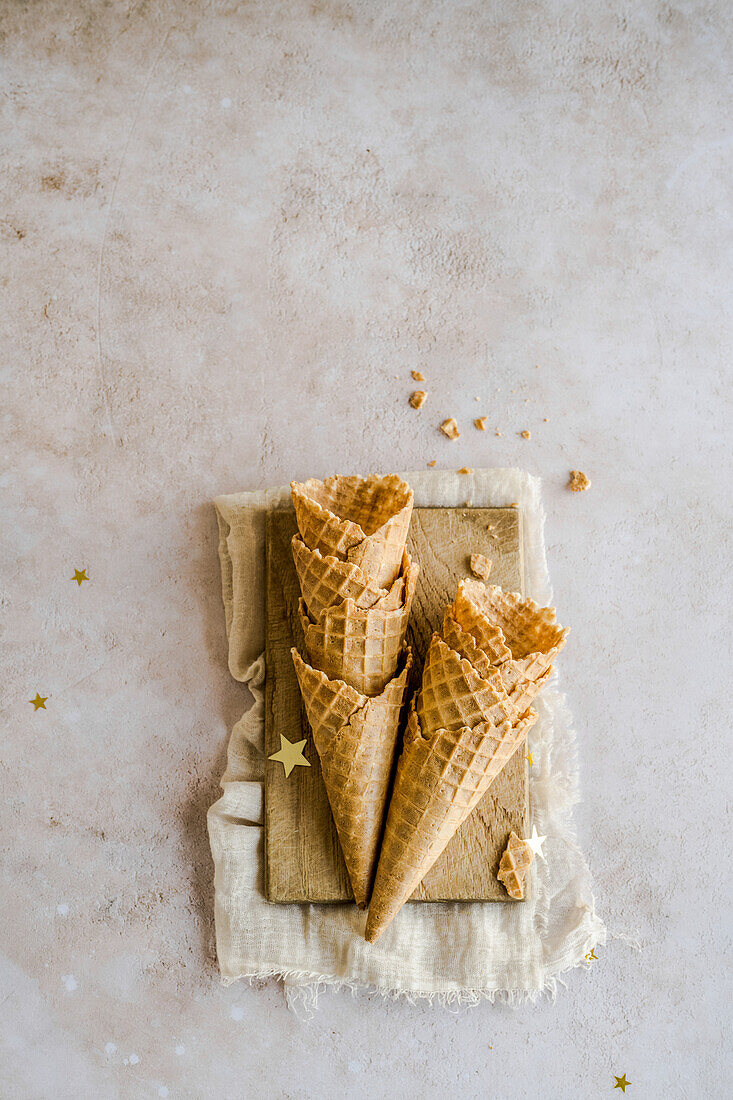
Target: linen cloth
446, 951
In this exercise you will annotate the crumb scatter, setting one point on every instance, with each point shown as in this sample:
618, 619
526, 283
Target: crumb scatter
480, 566
480, 423
449, 428
417, 399
417, 376
578, 482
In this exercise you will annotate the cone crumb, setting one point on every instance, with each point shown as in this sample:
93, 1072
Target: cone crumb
579, 481
498, 432
417, 376
466, 470
432, 462
449, 428
480, 423
515, 863
480, 566
526, 434
417, 399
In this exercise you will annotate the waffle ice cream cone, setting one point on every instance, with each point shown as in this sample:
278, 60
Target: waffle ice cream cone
514, 864
359, 645
355, 737
357, 583
529, 633
363, 521
326, 580
472, 712
439, 781
453, 694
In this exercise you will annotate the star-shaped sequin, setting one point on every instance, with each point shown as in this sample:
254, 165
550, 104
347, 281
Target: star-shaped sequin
621, 1082
290, 755
591, 955
80, 575
39, 703
530, 759
535, 842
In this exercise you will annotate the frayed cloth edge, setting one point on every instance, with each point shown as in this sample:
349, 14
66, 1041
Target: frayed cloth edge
304, 993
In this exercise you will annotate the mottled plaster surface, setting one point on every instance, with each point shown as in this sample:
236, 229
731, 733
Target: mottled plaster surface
229, 232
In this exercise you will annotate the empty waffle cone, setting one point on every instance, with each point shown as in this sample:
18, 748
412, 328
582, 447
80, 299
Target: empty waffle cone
439, 781
360, 520
361, 646
325, 580
356, 738
468, 615
469, 717
453, 694
530, 635
514, 864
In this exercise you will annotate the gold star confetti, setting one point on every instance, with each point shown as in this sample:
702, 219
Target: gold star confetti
530, 759
621, 1082
80, 575
290, 754
39, 703
535, 842
591, 955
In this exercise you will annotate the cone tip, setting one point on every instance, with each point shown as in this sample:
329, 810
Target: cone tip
373, 931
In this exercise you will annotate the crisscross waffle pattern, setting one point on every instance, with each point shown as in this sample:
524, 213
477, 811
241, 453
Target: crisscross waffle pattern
357, 584
359, 645
528, 629
356, 740
361, 520
514, 864
364, 646
452, 693
440, 779
328, 703
326, 580
471, 714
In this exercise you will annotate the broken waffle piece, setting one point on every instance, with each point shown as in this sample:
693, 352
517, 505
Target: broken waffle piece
480, 423
449, 428
515, 863
417, 376
480, 566
579, 481
417, 399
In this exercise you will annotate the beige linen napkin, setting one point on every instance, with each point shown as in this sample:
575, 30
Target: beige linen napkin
448, 951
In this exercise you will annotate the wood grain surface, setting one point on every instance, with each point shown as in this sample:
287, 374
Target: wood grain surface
303, 861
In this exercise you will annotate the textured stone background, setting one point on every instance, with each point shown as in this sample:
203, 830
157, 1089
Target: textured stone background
229, 232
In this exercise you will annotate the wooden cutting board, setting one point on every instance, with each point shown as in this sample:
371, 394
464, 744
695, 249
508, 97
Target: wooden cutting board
303, 861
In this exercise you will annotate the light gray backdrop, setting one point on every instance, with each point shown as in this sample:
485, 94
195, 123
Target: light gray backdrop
229, 232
